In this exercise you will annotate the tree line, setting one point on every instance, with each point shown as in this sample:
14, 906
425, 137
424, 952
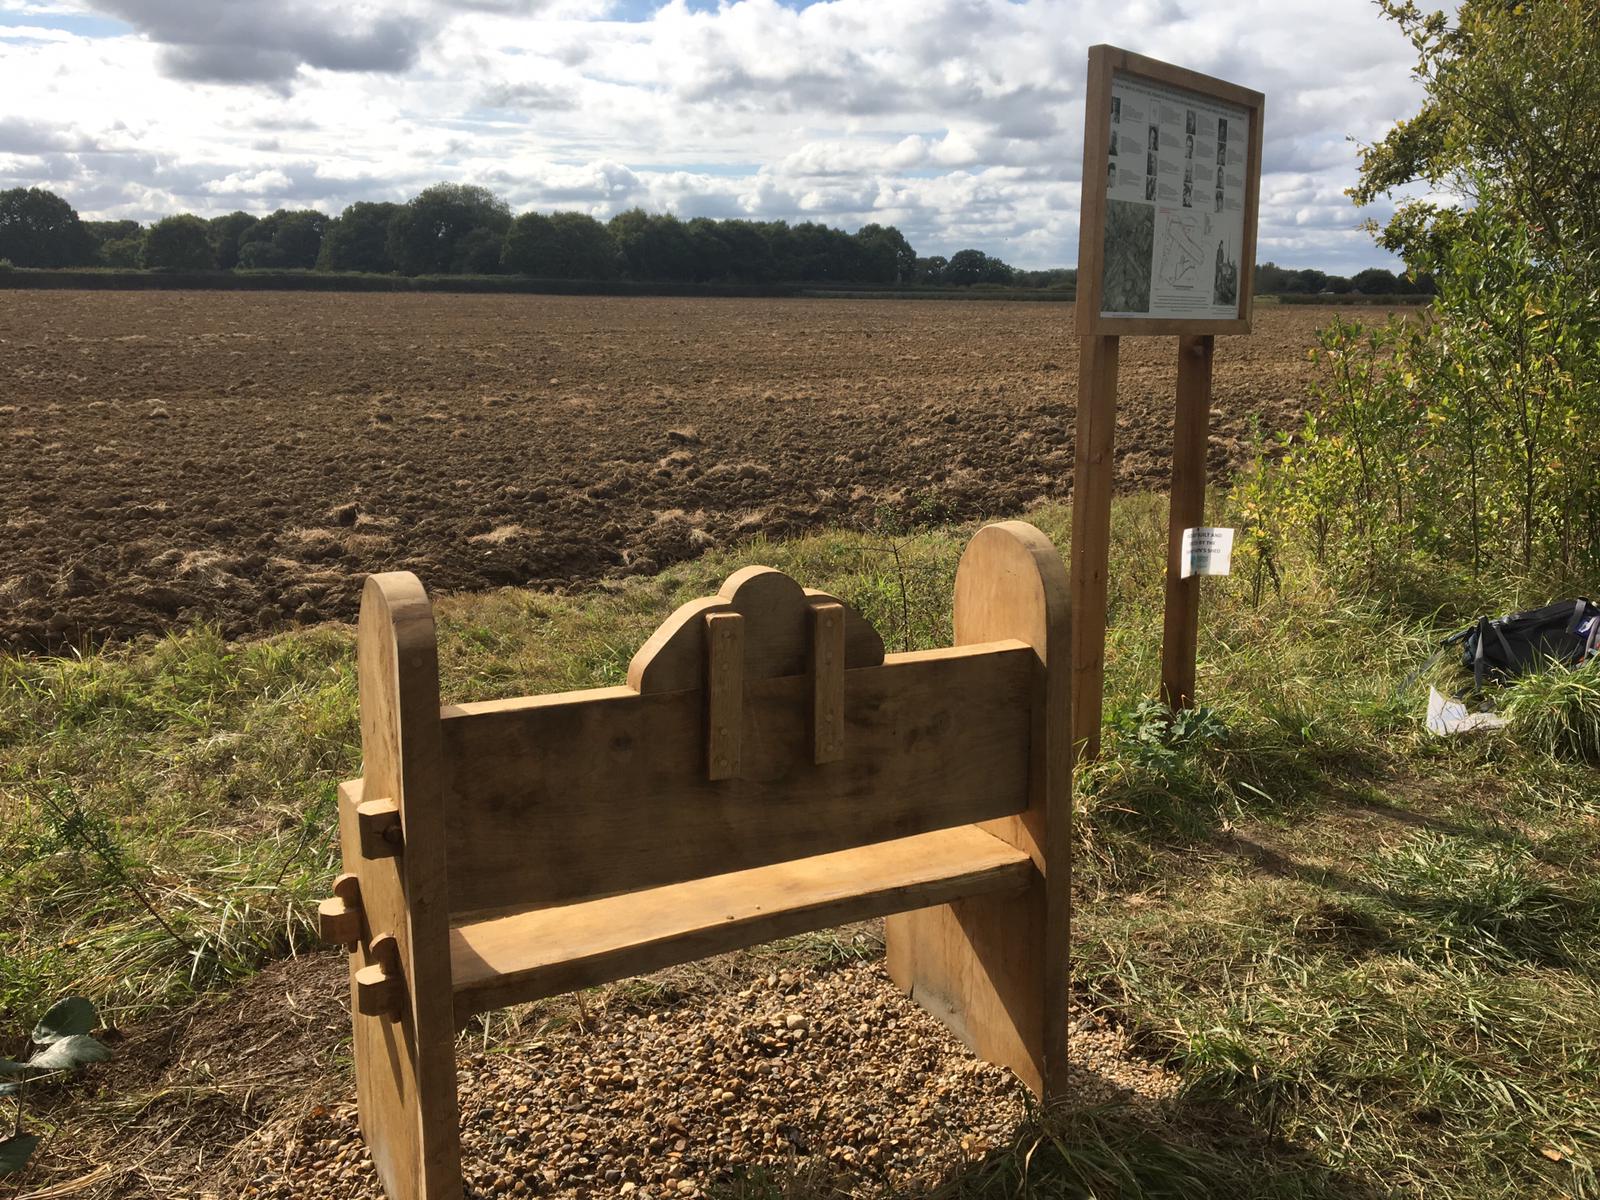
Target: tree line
1273, 280
461, 229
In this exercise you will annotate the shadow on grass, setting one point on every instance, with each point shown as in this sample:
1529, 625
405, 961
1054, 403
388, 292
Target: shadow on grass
1192, 1151
1436, 894
1144, 801
1409, 882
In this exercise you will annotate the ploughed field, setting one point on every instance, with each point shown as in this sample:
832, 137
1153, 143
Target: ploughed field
246, 458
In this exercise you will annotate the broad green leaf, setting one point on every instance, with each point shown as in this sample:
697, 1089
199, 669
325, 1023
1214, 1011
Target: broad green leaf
70, 1052
66, 1018
10, 1089
7, 1067
15, 1152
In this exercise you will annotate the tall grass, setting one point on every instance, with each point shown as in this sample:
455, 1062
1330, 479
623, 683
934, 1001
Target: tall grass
1557, 712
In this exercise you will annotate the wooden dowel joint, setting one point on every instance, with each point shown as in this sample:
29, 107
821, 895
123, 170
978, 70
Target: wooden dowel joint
380, 989
339, 917
379, 825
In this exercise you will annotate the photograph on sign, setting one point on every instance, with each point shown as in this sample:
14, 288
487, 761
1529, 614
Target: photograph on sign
1174, 233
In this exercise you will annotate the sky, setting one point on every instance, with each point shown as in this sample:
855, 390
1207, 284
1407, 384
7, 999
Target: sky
959, 121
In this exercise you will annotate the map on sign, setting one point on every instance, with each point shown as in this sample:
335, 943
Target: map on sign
1175, 202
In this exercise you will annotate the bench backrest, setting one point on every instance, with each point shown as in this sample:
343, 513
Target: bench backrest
758, 726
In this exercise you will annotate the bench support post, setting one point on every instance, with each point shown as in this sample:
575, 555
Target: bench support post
995, 968
405, 1046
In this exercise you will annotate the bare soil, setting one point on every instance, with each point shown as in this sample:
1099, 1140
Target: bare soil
246, 458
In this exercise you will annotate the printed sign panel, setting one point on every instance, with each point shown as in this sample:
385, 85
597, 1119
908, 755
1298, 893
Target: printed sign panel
1175, 192
1171, 184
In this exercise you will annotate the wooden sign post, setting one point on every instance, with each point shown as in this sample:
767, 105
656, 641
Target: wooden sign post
1167, 240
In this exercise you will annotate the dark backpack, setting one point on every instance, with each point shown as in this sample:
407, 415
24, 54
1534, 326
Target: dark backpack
1565, 633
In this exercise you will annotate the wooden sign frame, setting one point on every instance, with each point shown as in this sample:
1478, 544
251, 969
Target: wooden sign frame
1105, 62
1099, 352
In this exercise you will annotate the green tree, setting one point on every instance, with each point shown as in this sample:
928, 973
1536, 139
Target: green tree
478, 252
653, 246
226, 232
123, 233
749, 251
1312, 281
563, 245
124, 253
287, 240
423, 235
586, 248
886, 255
1273, 280
713, 256
823, 254
974, 266
1374, 281
1509, 117
931, 270
179, 243
531, 246
1056, 278
116, 243
358, 239
40, 229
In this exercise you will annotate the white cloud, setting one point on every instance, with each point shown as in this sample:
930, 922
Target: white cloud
958, 120
258, 183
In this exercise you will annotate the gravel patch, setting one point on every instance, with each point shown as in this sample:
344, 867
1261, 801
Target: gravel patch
826, 1069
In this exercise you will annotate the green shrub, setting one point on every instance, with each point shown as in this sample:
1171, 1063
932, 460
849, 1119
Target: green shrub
1558, 711
1463, 434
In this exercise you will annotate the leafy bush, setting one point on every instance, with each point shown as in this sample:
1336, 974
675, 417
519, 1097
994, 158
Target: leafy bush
1152, 737
1463, 434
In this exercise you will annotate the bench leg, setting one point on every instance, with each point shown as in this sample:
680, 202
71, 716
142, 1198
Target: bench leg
995, 968
392, 828
977, 966
404, 1052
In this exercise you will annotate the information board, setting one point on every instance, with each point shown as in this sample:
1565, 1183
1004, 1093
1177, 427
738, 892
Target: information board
1171, 187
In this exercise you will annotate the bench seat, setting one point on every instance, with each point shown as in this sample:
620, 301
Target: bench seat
504, 958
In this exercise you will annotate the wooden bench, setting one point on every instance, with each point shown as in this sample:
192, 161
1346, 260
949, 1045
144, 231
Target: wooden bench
767, 770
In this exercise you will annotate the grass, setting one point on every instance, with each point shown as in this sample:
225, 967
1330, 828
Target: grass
1370, 953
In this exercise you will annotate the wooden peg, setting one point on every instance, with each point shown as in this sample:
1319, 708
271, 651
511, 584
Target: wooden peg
724, 693
827, 682
339, 918
379, 823
380, 990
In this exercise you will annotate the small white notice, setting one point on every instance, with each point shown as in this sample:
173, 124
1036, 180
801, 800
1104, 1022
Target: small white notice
1207, 550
